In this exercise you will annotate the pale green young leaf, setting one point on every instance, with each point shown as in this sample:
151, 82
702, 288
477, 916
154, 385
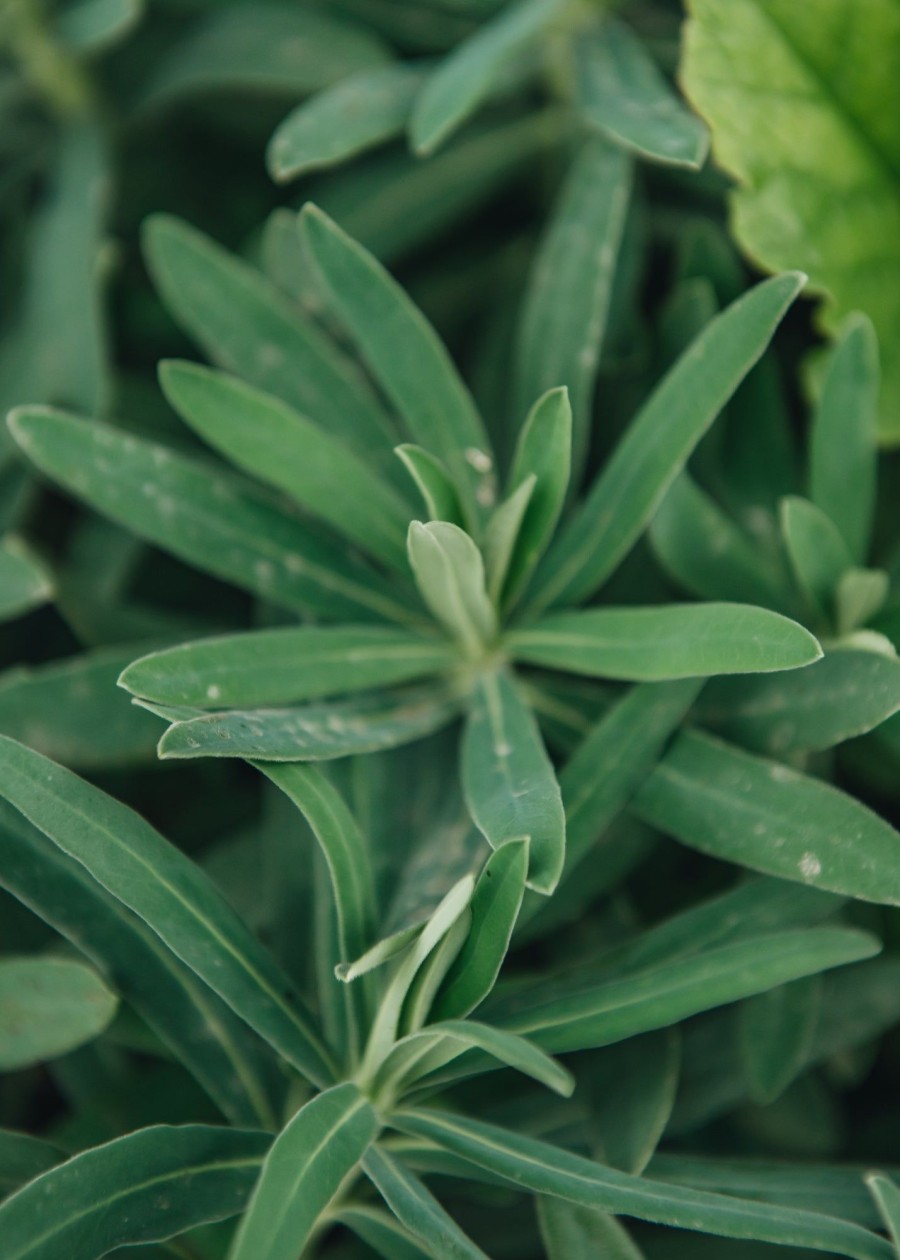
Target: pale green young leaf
775, 1031
508, 780
358, 112
502, 535
621, 91
842, 450
282, 666
433, 483
109, 1196
495, 907
817, 553
543, 451
405, 355
449, 572
885, 1193
468, 75
631, 1086
417, 1209
702, 549
845, 694
671, 991
96, 24
546, 1169
567, 301
312, 732
758, 70
267, 438
770, 818
230, 1063
381, 952
380, 1230
666, 642
246, 326
24, 582
303, 1171
860, 595
22, 1158
571, 1231
658, 443
173, 896
219, 523
48, 1006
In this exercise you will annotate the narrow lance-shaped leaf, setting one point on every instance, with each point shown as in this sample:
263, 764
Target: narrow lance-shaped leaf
546, 1169
817, 552
380, 1230
417, 1208
450, 574
217, 522
543, 451
501, 535
658, 443
775, 1031
842, 453
508, 780
621, 91
463, 80
885, 1193
569, 290
109, 1196
48, 1006
763, 815
170, 893
24, 583
860, 596
22, 1158
359, 111
405, 355
314, 732
230, 1063
245, 326
668, 642
573, 1232
631, 1086
433, 482
283, 665
303, 1171
267, 438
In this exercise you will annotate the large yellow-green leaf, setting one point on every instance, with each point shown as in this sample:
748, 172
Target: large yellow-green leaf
804, 105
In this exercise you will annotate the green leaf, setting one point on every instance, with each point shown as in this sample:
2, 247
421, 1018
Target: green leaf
842, 452
450, 574
278, 49
860, 595
70, 711
217, 1048
343, 847
658, 443
313, 732
268, 439
405, 356
702, 549
845, 694
283, 665
508, 780
495, 908
775, 1030
817, 552
567, 302
417, 1208
22, 1158
671, 991
24, 583
302, 1173
748, 68
433, 483
246, 326
48, 1006
110, 1196
631, 1086
543, 451
621, 91
887, 1196
379, 954
501, 535
573, 1232
172, 895
94, 25
469, 74
359, 111
546, 1169
763, 815
218, 523
667, 642
381, 1231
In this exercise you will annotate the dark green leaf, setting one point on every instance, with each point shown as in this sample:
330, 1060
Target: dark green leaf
22, 1158
24, 583
887, 1196
631, 1086
417, 1208
775, 1031
48, 1006
573, 1232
